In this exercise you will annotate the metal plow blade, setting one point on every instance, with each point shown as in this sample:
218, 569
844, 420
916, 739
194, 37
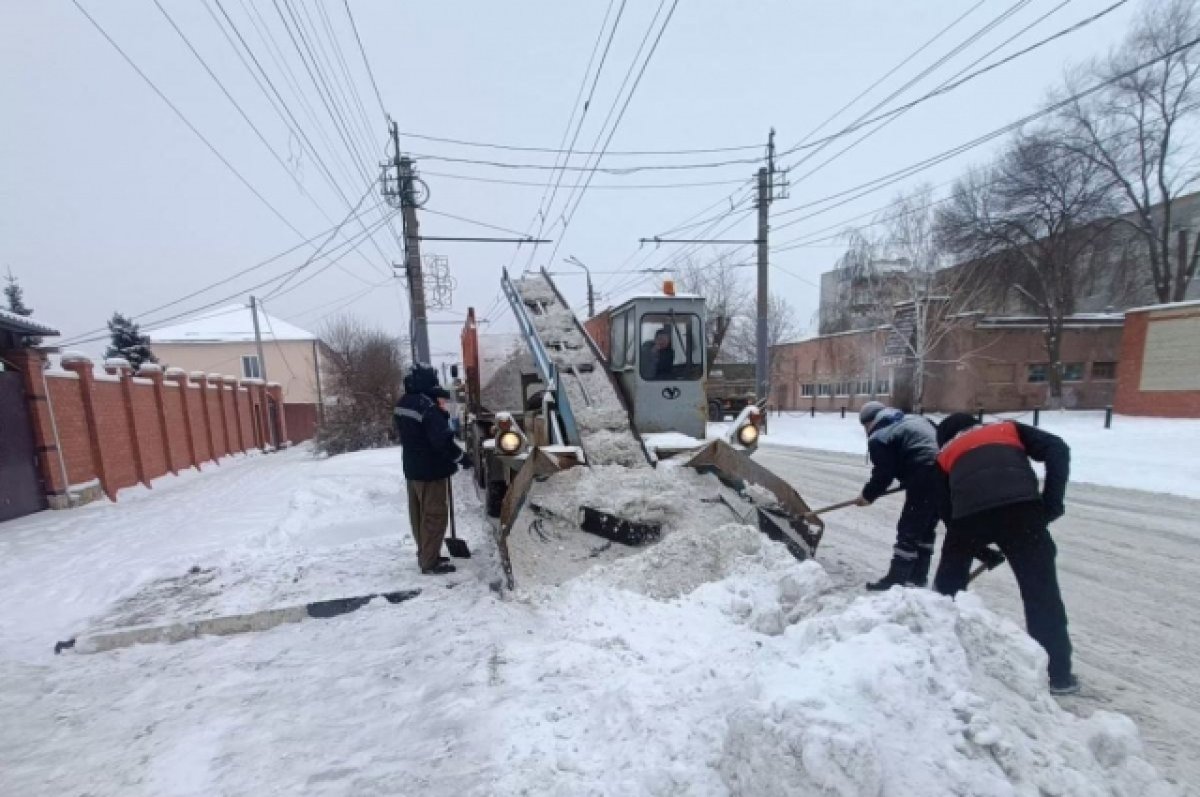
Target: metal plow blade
785, 521
538, 466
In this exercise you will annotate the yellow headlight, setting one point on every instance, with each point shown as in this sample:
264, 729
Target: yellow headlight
509, 442
748, 435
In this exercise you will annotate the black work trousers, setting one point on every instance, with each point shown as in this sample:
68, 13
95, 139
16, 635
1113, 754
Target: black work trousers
916, 530
1020, 532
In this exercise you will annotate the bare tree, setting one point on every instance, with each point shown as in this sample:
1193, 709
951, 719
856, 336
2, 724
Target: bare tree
727, 301
1032, 220
782, 327
363, 372
1136, 131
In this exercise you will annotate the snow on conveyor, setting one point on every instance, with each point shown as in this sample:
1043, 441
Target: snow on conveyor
608, 438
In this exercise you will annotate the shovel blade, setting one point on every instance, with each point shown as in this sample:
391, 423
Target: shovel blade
458, 548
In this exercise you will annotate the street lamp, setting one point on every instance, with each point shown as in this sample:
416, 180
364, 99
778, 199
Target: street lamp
574, 261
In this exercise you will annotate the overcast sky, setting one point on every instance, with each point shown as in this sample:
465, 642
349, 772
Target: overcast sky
109, 202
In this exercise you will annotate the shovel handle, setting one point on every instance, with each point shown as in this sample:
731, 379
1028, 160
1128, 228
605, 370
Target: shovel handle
450, 502
851, 502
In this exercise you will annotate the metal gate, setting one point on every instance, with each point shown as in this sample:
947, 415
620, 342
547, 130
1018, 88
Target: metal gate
20, 488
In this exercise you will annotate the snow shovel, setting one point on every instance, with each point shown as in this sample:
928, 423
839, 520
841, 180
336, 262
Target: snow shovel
989, 559
457, 548
842, 505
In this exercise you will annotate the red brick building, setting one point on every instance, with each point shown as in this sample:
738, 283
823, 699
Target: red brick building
1160, 362
997, 363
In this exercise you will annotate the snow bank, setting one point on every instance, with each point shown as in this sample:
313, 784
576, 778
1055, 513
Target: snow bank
711, 663
1153, 454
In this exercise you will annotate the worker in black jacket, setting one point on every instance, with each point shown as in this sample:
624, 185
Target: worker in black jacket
990, 495
904, 448
431, 457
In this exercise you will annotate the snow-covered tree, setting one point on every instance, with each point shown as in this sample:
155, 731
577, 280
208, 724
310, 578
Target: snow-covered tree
128, 342
14, 296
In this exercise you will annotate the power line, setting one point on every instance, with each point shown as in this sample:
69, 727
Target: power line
287, 274
611, 186
220, 282
543, 207
924, 46
954, 83
553, 151
618, 170
183, 118
366, 61
191, 48
570, 214
427, 209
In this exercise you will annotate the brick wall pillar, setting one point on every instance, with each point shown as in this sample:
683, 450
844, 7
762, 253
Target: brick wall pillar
51, 471
124, 371
203, 379
179, 377
275, 391
154, 373
219, 381
82, 367
233, 383
257, 425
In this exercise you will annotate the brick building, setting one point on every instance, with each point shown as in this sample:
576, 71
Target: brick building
1160, 361
998, 363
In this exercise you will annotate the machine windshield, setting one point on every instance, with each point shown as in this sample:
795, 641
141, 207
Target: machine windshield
672, 347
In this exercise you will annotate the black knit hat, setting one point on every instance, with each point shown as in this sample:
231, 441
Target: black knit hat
952, 425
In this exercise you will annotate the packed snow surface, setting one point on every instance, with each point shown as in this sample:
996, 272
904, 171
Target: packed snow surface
711, 663
1153, 454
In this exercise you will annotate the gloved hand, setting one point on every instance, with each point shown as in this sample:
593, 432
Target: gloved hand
860, 501
1054, 512
465, 463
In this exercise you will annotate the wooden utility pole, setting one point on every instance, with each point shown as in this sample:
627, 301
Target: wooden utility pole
262, 371
762, 341
413, 272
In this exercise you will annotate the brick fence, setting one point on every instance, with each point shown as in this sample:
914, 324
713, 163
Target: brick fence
98, 433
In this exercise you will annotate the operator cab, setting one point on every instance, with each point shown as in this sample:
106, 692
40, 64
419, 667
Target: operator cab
656, 352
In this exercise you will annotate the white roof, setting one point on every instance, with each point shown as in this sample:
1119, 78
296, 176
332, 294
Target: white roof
26, 324
231, 324
1168, 306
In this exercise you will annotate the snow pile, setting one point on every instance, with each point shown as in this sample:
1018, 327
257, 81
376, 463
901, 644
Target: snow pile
711, 663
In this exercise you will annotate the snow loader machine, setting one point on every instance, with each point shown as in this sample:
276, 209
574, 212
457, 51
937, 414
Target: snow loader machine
549, 400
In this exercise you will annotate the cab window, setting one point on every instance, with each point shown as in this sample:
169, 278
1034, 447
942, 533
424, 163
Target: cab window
616, 347
672, 347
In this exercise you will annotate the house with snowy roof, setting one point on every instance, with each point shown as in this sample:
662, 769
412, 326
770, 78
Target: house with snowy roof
222, 341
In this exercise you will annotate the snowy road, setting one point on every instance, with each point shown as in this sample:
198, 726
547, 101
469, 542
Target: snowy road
1129, 563
711, 663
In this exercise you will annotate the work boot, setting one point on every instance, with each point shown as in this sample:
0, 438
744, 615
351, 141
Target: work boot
1064, 686
440, 569
900, 573
920, 571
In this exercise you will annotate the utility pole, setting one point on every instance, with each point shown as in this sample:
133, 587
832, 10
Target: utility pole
262, 369
766, 190
413, 273
590, 293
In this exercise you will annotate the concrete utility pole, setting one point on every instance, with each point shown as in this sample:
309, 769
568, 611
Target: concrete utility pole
766, 190
591, 293
413, 272
262, 369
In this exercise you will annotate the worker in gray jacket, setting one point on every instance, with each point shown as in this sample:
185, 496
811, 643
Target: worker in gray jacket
904, 448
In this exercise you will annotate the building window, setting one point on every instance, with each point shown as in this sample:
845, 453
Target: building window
807, 391
1037, 373
1072, 372
883, 387
864, 387
824, 390
843, 389
250, 367
1104, 370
